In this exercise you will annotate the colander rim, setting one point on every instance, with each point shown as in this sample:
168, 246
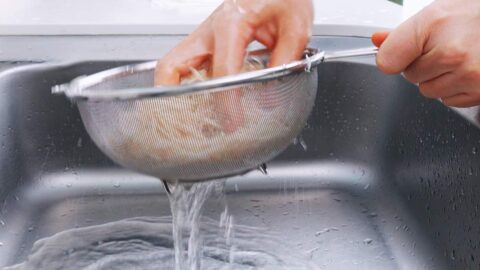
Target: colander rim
77, 89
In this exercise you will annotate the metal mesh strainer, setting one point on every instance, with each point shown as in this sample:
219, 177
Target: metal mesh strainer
174, 133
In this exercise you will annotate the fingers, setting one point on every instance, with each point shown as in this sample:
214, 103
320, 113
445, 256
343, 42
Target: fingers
230, 43
170, 73
440, 87
266, 36
402, 46
229, 49
379, 37
437, 49
282, 26
453, 90
461, 100
292, 39
192, 52
426, 68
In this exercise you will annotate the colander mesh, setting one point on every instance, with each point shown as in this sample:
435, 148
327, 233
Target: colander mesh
181, 137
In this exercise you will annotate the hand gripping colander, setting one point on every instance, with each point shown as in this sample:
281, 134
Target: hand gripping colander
174, 133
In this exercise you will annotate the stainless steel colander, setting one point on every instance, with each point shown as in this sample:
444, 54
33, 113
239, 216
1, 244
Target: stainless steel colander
175, 133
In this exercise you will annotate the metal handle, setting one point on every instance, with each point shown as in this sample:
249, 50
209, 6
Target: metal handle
350, 53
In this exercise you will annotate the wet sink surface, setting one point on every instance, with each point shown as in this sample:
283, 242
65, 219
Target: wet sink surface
331, 211
388, 179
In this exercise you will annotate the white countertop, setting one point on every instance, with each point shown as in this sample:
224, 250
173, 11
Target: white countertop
158, 17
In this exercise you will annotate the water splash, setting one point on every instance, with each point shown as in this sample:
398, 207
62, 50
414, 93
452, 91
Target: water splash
146, 243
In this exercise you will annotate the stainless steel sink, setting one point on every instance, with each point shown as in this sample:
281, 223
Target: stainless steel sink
388, 179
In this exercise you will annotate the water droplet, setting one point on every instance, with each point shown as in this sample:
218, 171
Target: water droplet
372, 214
236, 188
68, 185
116, 185
1, 244
79, 142
452, 254
326, 230
68, 251
2, 222
30, 228
367, 241
474, 150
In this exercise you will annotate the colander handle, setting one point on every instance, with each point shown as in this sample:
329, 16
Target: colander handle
350, 53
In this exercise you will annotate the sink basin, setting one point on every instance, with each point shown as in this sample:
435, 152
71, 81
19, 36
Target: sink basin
381, 178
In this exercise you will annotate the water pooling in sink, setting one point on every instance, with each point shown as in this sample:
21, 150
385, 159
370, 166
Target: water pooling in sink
148, 243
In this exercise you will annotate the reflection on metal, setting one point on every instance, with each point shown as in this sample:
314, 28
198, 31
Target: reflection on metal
165, 185
263, 168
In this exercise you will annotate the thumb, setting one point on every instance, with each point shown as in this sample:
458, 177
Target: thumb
401, 47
